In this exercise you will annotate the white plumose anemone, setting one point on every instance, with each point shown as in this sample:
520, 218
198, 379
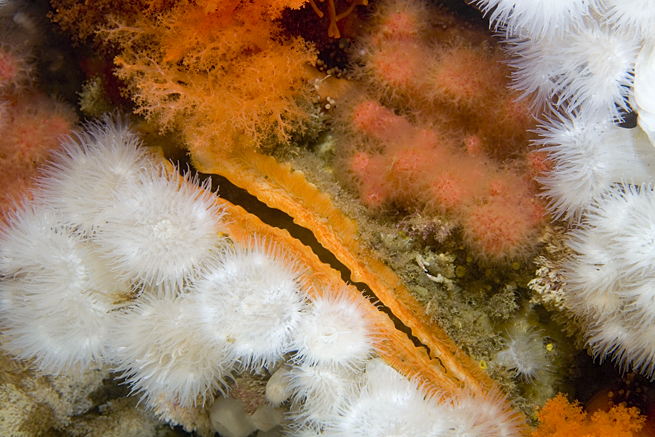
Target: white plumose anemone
596, 72
163, 356
524, 353
532, 66
588, 157
643, 99
609, 279
630, 345
161, 231
478, 414
321, 393
594, 277
632, 15
390, 405
620, 226
55, 292
587, 72
86, 172
336, 331
536, 18
253, 299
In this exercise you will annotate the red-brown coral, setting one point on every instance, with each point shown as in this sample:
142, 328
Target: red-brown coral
333, 28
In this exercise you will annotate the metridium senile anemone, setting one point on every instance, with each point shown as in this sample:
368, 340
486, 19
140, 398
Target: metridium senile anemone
55, 296
590, 65
254, 300
537, 18
611, 277
335, 332
171, 361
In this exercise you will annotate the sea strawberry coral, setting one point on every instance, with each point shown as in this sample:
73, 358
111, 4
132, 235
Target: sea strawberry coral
390, 160
31, 126
431, 126
463, 76
15, 69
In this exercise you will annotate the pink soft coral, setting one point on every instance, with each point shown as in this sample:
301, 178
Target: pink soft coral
32, 125
431, 126
390, 159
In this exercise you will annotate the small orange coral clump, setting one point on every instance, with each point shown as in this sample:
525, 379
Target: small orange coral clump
82, 18
559, 418
333, 29
220, 71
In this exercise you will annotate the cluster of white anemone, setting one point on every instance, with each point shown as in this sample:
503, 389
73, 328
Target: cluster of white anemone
381, 402
587, 63
116, 260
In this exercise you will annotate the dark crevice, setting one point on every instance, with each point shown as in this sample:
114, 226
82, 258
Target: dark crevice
279, 219
397, 323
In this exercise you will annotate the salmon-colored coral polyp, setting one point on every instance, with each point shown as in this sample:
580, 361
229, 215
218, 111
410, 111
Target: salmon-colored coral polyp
401, 24
444, 132
496, 230
415, 167
377, 121
457, 77
8, 67
399, 63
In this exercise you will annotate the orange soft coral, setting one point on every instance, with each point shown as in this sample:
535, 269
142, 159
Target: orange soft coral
218, 75
222, 72
559, 418
82, 18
